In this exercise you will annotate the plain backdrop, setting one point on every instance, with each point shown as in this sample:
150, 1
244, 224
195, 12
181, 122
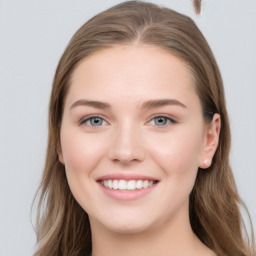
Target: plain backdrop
34, 34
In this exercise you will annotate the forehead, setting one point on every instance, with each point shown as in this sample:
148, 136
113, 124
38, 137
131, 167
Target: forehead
132, 73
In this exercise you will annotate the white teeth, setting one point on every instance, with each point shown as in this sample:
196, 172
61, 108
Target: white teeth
145, 183
127, 185
115, 184
110, 184
131, 185
122, 184
139, 184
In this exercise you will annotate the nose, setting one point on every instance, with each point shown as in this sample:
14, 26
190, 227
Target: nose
126, 145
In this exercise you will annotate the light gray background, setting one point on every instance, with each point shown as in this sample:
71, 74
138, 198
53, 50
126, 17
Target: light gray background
33, 35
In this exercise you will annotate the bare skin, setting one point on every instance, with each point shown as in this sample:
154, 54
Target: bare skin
132, 114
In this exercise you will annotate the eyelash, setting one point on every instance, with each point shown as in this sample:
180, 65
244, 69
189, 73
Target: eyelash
88, 118
170, 120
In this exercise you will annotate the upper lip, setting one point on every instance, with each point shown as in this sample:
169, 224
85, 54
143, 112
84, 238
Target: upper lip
126, 176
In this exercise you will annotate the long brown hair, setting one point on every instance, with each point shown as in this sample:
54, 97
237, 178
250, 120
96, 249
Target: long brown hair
62, 225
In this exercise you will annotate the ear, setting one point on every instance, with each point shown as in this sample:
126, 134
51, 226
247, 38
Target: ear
210, 142
60, 154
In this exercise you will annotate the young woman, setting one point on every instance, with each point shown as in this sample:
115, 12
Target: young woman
139, 140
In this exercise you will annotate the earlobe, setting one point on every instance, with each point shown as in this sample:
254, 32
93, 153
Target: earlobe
210, 143
60, 156
206, 164
59, 151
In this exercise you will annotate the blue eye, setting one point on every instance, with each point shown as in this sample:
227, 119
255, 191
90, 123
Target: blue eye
94, 121
161, 121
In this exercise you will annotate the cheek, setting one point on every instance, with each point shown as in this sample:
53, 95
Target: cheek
81, 154
81, 151
177, 152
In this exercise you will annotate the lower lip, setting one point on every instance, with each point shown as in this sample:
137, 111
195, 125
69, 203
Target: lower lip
126, 195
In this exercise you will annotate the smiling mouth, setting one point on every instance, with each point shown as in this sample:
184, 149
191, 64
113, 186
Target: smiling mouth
127, 184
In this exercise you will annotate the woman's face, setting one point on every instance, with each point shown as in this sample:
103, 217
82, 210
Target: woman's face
132, 138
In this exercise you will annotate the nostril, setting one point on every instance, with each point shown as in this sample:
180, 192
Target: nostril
126, 145
126, 155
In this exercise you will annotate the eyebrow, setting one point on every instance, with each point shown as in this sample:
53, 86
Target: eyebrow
150, 104
91, 103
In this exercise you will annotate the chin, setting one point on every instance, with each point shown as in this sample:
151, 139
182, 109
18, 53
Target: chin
123, 224
127, 228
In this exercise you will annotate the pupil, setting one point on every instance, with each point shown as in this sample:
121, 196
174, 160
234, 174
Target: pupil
96, 121
161, 120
